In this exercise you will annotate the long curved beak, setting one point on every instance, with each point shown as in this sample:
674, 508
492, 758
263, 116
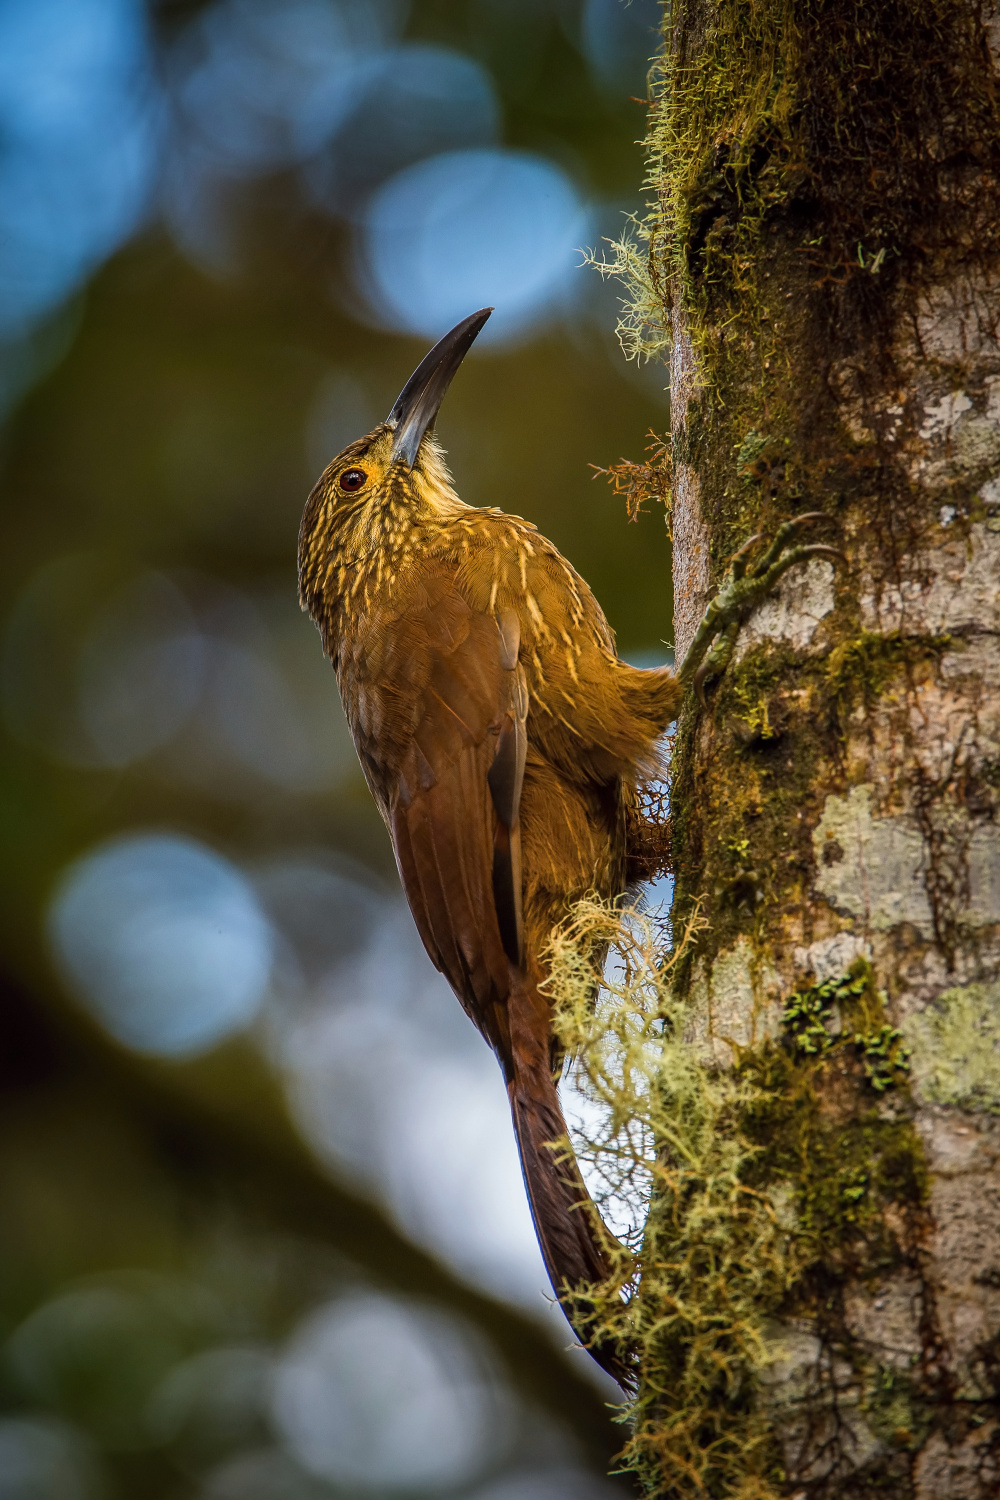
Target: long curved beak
420, 399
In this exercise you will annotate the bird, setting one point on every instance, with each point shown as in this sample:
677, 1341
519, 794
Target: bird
507, 746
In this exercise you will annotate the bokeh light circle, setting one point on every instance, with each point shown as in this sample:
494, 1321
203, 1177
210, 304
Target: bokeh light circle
378, 1394
467, 229
81, 128
164, 941
42, 1459
140, 670
259, 85
417, 100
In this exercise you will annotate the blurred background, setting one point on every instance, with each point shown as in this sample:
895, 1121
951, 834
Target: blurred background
265, 1236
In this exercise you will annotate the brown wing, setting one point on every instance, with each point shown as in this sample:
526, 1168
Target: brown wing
449, 679
456, 856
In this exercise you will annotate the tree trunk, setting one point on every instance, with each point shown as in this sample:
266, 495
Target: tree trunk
828, 235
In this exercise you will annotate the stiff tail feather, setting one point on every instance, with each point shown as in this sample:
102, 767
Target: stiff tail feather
573, 1242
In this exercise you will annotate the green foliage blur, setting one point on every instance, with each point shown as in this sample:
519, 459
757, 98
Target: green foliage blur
172, 1240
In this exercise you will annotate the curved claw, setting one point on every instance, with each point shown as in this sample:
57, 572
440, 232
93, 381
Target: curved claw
781, 538
764, 580
750, 542
808, 517
721, 621
819, 550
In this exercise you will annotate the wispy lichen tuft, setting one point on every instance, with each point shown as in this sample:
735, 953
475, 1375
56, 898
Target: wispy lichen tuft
642, 327
696, 1282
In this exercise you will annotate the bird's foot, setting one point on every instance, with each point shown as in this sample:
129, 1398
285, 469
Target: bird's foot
710, 651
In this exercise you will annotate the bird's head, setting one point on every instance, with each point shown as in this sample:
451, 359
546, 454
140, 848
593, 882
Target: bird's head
400, 458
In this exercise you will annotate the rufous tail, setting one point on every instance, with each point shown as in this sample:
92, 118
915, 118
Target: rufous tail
573, 1240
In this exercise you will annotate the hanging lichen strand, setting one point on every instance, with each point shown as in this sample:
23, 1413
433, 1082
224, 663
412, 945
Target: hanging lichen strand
817, 1303
751, 1183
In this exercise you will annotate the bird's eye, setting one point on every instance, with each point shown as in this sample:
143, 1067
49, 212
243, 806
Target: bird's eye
352, 479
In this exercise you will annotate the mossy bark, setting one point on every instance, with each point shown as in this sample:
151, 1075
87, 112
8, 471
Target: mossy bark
827, 236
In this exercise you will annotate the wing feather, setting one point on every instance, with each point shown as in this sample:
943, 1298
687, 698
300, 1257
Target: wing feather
441, 812
506, 780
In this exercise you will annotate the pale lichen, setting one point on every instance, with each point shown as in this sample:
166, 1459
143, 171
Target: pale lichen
816, 1406
804, 213
967, 1470
713, 1261
955, 1048
871, 868
642, 330
882, 870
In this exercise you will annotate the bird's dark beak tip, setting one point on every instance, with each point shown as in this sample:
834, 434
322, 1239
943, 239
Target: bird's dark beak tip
420, 399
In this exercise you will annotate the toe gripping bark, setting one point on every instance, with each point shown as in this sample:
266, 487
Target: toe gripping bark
745, 587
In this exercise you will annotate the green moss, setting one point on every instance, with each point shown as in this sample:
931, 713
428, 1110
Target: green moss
895, 1409
795, 190
808, 1016
844, 1172
885, 1056
863, 667
781, 719
762, 105
848, 1165
751, 802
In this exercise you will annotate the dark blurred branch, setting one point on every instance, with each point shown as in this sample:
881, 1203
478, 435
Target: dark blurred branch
222, 1124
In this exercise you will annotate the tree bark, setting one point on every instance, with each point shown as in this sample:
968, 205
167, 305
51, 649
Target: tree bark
828, 232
